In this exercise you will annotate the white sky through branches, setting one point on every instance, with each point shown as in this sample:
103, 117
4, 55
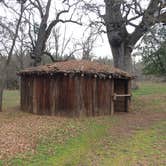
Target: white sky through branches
102, 47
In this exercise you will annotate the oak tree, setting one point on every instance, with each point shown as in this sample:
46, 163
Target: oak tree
141, 15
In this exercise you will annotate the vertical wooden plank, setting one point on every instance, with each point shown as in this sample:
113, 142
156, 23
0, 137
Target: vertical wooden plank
108, 97
81, 95
112, 96
34, 96
90, 82
43, 96
52, 96
31, 96
55, 82
28, 96
58, 95
77, 96
37, 94
40, 93
99, 97
47, 95
70, 97
55, 99
95, 97
128, 109
104, 97
21, 94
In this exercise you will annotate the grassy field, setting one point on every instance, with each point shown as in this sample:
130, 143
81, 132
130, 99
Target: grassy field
136, 138
11, 99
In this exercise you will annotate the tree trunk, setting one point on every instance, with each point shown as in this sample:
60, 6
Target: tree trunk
40, 43
42, 36
118, 37
122, 57
122, 60
6, 65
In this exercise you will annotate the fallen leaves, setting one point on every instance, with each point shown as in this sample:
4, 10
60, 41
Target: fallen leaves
21, 132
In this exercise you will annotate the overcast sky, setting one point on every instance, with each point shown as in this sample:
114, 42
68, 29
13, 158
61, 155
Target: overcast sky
102, 47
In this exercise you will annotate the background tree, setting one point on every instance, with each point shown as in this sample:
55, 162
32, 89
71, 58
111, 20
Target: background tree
44, 28
8, 45
105, 60
155, 63
61, 46
119, 15
87, 44
153, 49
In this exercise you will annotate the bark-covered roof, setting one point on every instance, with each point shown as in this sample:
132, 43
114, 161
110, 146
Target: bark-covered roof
75, 66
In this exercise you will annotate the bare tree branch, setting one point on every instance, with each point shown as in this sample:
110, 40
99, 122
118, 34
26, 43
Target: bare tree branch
149, 19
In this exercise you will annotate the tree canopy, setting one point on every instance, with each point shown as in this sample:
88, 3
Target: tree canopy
119, 16
155, 63
153, 50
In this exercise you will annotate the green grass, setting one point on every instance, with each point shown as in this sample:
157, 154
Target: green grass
96, 145
144, 147
69, 153
11, 99
150, 96
148, 88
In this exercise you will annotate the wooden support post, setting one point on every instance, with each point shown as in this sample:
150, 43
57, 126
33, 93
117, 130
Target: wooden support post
112, 96
77, 111
53, 96
129, 98
34, 97
22, 94
94, 109
80, 96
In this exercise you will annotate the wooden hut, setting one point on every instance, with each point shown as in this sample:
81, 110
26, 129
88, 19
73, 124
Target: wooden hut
75, 88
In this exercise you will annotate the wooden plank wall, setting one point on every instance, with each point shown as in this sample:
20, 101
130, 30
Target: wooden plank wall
69, 96
27, 94
128, 102
120, 86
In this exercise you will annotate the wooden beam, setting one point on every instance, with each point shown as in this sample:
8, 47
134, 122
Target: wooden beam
112, 96
122, 95
35, 109
129, 99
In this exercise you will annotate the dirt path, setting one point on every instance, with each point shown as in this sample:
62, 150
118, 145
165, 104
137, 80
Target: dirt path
130, 122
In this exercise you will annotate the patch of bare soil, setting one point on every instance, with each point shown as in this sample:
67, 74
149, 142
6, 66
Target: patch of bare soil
141, 117
132, 122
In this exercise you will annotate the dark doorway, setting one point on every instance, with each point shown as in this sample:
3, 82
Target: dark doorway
121, 101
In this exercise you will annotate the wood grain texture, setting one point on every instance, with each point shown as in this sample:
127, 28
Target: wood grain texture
73, 96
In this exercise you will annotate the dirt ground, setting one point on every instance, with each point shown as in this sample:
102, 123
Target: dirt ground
20, 132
